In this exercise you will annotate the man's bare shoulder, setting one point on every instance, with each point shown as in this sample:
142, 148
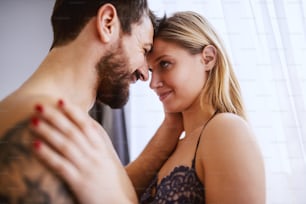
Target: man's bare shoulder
18, 107
23, 179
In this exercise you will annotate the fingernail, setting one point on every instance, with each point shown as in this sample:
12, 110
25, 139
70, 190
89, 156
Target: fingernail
35, 121
37, 144
39, 108
60, 103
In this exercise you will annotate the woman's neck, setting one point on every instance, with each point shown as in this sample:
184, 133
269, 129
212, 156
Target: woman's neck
195, 117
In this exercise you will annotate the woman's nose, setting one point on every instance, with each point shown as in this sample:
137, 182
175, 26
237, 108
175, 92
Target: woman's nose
155, 80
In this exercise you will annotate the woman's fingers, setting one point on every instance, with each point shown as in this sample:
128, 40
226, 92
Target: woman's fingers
57, 163
72, 133
59, 121
60, 143
75, 114
84, 122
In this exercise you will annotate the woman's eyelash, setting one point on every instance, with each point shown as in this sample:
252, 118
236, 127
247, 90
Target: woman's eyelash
164, 64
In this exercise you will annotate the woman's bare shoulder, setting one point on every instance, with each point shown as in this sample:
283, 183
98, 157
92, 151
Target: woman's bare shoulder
225, 124
229, 136
232, 158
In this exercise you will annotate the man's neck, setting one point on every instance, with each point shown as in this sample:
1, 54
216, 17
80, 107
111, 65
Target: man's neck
65, 75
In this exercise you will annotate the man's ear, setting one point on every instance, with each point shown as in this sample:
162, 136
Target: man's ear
209, 57
108, 24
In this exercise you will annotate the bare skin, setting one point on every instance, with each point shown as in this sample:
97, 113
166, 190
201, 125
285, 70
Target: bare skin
72, 146
35, 183
228, 161
25, 179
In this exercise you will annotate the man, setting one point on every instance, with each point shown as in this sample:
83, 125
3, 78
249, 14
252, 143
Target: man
99, 47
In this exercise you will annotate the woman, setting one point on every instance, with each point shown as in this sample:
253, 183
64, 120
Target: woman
217, 160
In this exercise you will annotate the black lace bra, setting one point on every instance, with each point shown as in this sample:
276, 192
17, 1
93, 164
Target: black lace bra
181, 186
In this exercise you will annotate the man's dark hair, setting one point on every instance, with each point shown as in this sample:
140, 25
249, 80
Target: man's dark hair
70, 16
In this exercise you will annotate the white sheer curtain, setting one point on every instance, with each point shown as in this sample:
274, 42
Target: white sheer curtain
266, 40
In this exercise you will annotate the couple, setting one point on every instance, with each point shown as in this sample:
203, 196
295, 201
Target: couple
53, 152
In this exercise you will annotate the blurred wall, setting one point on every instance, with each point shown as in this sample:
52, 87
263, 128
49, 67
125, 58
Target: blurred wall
25, 38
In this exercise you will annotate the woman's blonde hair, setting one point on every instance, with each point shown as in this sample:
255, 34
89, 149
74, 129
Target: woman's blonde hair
193, 32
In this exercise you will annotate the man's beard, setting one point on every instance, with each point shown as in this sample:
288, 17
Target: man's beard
114, 78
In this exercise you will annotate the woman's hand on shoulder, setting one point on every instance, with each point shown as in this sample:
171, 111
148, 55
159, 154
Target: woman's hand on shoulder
72, 144
232, 161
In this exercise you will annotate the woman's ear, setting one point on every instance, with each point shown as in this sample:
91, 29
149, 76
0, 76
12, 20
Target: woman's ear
209, 57
108, 24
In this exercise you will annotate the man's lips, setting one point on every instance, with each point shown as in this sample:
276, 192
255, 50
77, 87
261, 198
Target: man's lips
133, 79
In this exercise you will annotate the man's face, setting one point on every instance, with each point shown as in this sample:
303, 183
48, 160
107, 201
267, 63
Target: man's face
114, 78
124, 64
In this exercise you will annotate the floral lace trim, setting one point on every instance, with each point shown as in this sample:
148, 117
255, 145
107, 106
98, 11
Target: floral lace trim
181, 186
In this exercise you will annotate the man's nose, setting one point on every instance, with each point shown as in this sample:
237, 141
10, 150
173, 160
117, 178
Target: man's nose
143, 71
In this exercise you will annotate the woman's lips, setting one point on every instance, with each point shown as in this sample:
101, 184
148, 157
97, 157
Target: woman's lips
164, 95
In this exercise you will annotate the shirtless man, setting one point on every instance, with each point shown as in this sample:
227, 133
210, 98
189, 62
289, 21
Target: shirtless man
99, 48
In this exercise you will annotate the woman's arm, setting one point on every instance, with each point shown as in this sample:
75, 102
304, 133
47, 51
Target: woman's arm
142, 170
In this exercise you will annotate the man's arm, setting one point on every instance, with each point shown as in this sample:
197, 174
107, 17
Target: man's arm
144, 168
23, 179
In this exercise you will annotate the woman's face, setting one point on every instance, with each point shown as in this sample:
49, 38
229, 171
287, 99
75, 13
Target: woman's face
177, 76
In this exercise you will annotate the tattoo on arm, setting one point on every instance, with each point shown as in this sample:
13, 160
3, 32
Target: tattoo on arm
23, 179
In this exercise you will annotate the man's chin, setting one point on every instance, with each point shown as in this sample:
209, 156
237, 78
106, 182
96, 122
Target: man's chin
117, 106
